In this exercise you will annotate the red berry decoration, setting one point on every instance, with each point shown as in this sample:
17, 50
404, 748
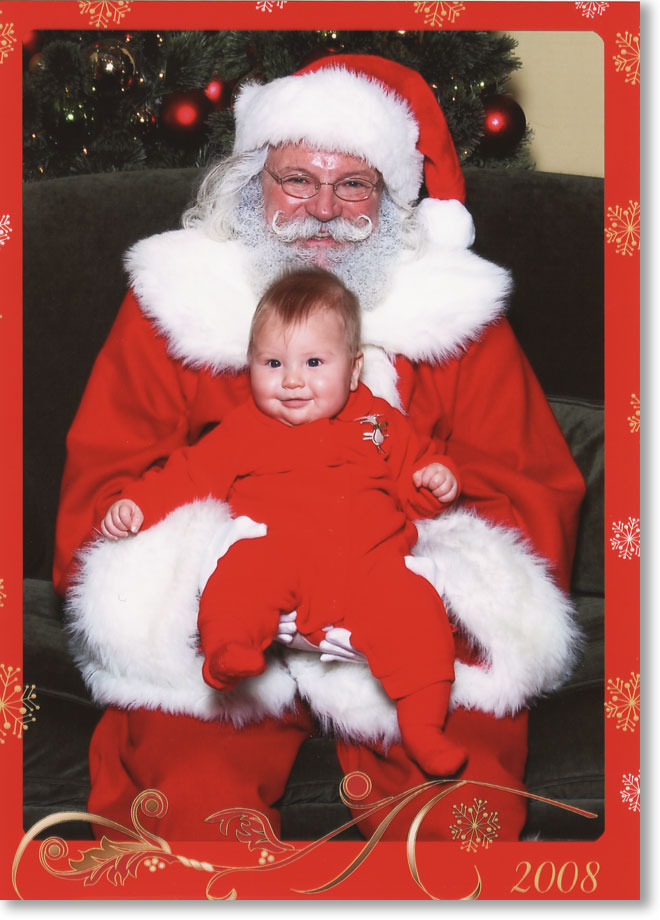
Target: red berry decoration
504, 125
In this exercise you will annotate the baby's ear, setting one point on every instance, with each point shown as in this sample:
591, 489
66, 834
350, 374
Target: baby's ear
358, 364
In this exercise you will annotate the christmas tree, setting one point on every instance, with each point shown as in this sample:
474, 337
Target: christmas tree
102, 101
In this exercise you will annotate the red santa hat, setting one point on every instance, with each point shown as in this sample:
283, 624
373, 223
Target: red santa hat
371, 108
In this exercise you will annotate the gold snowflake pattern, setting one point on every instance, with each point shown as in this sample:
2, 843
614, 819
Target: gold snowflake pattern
437, 14
267, 5
624, 704
3, 593
17, 704
474, 825
591, 9
634, 419
5, 229
626, 538
627, 61
103, 12
7, 40
624, 228
630, 792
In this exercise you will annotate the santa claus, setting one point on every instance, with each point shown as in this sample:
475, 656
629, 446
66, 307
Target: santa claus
327, 168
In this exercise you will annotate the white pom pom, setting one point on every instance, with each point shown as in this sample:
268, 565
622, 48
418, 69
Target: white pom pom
447, 224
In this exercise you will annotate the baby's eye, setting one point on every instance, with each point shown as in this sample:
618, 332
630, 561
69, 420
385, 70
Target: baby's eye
314, 362
273, 362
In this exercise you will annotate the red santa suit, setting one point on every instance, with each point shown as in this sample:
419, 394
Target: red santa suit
519, 485
437, 347
339, 506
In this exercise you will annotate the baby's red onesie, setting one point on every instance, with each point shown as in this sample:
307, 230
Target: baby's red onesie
338, 498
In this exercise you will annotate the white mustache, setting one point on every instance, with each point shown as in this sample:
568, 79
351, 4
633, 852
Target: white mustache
339, 228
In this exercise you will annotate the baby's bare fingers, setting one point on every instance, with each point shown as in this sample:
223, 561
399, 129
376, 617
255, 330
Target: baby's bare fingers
136, 519
425, 477
447, 494
115, 524
113, 531
106, 532
438, 480
125, 513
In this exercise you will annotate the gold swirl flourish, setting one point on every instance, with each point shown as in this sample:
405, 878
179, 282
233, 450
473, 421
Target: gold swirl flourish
97, 861
118, 860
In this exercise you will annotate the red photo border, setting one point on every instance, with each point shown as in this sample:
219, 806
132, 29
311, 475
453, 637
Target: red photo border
604, 869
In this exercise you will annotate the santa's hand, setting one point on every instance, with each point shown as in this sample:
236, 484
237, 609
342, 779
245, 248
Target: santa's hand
336, 646
287, 634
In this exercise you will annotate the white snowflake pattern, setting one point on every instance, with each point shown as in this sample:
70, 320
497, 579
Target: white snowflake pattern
626, 538
5, 229
103, 12
3, 593
17, 703
7, 40
628, 58
266, 6
591, 9
436, 14
474, 825
631, 791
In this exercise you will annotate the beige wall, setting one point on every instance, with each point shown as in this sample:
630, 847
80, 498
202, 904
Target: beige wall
560, 88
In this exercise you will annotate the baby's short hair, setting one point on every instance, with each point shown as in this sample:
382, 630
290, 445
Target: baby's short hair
298, 293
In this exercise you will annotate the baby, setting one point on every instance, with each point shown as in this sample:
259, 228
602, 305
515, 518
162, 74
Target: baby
338, 476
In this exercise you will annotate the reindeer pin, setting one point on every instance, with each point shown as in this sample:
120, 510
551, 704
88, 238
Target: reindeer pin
378, 431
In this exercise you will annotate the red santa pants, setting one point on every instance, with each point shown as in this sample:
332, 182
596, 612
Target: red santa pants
369, 594
204, 767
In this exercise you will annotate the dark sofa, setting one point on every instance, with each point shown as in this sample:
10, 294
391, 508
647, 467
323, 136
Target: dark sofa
547, 228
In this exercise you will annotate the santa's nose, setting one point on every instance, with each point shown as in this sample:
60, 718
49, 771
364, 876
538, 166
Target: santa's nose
324, 205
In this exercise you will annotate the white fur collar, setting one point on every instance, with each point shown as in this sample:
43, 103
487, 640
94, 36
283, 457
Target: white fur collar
197, 292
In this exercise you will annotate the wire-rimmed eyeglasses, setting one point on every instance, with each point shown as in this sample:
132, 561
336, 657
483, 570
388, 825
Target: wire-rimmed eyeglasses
300, 185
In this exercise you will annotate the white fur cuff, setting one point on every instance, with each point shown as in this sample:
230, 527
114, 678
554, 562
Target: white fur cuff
132, 619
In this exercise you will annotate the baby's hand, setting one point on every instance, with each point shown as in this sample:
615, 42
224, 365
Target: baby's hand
122, 518
437, 479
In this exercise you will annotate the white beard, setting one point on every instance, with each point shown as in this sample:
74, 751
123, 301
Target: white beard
363, 266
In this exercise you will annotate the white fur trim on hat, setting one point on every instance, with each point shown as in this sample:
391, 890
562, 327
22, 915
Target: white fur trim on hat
335, 110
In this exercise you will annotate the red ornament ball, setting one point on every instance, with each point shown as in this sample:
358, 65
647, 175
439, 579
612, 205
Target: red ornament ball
32, 42
504, 125
217, 92
112, 68
144, 119
322, 51
37, 62
182, 114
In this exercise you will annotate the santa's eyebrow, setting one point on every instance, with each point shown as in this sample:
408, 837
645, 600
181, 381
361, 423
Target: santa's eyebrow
364, 172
